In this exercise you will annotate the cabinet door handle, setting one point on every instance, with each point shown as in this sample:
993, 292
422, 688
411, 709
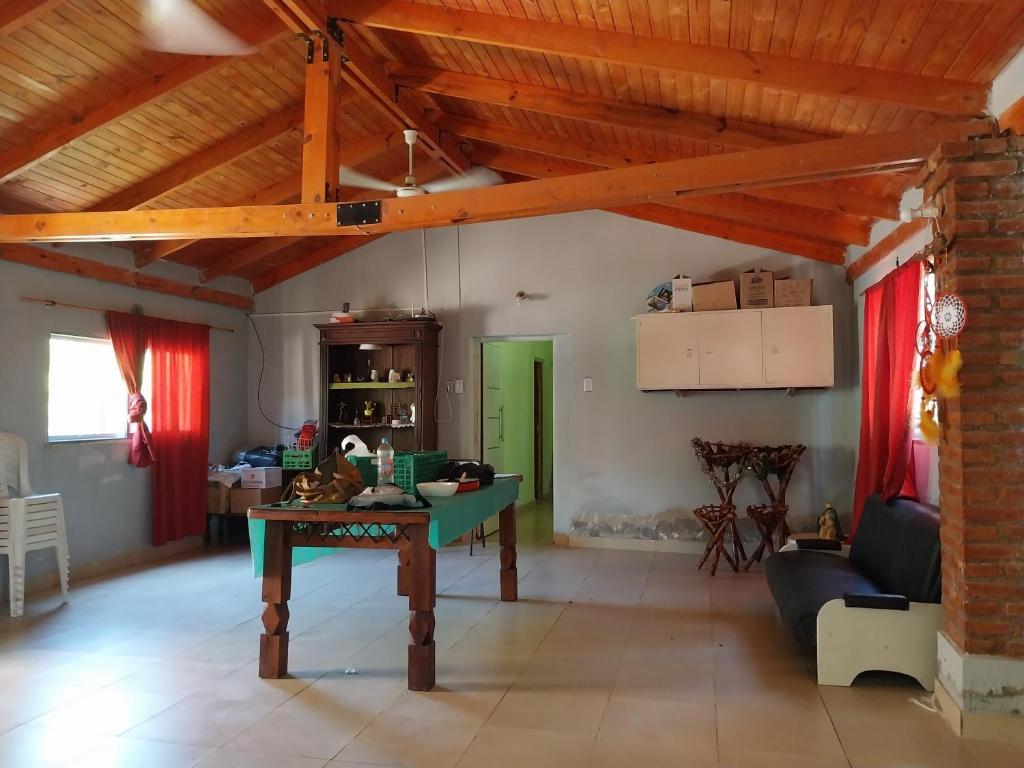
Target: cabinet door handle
501, 423
775, 350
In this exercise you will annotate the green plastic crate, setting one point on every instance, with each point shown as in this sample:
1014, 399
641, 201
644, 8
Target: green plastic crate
410, 468
292, 459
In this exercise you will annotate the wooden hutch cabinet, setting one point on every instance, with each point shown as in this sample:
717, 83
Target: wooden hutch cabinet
352, 351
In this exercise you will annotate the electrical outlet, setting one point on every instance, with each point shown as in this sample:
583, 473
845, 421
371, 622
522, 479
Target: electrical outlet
588, 384
460, 387
449, 386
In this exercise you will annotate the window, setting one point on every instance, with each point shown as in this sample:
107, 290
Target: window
87, 396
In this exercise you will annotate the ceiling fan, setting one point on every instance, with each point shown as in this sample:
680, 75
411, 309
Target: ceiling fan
179, 26
476, 177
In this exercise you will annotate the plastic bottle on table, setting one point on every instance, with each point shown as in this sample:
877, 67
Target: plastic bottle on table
385, 463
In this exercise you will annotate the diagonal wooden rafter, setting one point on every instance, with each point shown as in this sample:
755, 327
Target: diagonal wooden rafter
745, 208
15, 14
22, 157
351, 154
366, 75
750, 169
321, 255
108, 273
730, 220
824, 78
596, 109
208, 160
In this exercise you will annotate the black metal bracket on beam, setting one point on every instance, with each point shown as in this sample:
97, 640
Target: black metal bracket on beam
334, 30
323, 44
310, 46
355, 214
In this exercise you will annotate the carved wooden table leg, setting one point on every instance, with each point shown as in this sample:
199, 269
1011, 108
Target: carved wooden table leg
277, 588
507, 540
403, 569
422, 595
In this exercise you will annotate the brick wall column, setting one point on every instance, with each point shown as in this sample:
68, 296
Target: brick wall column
979, 186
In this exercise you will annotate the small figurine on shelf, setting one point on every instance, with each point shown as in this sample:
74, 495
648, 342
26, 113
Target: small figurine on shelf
394, 376
337, 379
343, 413
828, 524
348, 378
403, 416
374, 375
369, 412
410, 377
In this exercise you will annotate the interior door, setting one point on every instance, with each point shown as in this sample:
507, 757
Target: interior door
730, 349
798, 346
493, 408
667, 351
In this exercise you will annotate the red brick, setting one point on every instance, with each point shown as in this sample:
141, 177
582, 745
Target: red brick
1005, 188
1011, 301
991, 146
973, 263
989, 168
981, 207
991, 282
989, 245
971, 190
1008, 225
953, 150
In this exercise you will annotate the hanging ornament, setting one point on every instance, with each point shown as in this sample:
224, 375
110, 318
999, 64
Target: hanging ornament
949, 316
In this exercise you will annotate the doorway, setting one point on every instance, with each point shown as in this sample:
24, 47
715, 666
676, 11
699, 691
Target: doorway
516, 425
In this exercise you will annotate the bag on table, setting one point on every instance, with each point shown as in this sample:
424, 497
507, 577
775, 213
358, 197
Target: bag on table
315, 487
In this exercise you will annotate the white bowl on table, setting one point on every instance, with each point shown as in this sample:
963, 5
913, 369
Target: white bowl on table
437, 488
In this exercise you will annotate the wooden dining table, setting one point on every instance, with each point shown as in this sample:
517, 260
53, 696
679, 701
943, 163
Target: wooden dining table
417, 534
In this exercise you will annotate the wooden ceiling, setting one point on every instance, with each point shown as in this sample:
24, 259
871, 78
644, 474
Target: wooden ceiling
91, 120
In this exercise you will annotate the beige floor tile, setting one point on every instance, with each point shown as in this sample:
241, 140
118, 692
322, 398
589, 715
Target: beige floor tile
551, 710
793, 729
497, 747
233, 758
655, 722
462, 702
616, 753
410, 743
736, 756
95, 670
24, 699
108, 712
202, 721
36, 746
120, 752
179, 676
993, 754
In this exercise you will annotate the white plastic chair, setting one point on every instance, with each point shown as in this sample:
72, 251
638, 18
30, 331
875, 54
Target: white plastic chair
27, 522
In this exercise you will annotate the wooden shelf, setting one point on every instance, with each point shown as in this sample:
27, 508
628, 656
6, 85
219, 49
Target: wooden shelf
336, 425
374, 385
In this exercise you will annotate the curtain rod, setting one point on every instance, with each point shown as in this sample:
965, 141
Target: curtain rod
410, 310
62, 305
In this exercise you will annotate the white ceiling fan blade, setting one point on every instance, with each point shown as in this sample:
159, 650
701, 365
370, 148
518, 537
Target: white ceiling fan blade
178, 26
347, 177
477, 177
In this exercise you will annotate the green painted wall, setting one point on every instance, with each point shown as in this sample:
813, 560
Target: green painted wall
517, 358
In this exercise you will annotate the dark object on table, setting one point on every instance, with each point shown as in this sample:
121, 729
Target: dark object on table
833, 545
895, 551
767, 462
457, 470
260, 456
725, 464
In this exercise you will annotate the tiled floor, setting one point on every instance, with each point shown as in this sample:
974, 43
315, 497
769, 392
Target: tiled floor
610, 658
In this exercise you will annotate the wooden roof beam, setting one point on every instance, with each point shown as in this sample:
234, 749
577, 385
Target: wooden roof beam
596, 109
15, 14
750, 169
207, 160
351, 154
327, 252
932, 94
880, 250
747, 208
23, 156
108, 273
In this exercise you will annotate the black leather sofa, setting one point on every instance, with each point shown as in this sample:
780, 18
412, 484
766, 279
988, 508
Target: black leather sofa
892, 567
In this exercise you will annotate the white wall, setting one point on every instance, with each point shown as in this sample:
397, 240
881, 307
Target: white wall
1008, 85
622, 455
107, 502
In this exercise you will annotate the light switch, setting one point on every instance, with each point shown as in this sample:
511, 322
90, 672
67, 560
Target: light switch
460, 387
588, 384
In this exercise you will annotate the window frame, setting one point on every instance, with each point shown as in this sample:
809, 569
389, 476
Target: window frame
95, 438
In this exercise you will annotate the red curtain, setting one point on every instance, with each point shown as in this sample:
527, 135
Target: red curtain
181, 428
130, 337
891, 316
178, 447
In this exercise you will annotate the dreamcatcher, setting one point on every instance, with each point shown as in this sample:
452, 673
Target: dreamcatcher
940, 358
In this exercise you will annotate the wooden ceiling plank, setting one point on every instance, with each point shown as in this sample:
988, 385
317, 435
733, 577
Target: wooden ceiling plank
320, 125
108, 273
595, 109
931, 94
770, 212
814, 161
24, 156
243, 257
16, 14
205, 161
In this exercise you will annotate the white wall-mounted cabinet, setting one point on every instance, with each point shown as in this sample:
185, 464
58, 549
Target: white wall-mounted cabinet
741, 349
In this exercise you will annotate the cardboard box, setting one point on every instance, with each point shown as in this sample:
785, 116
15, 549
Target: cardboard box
712, 296
243, 498
217, 498
261, 477
793, 293
756, 290
682, 294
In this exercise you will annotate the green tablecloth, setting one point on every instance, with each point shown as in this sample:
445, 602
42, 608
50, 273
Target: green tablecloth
449, 518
